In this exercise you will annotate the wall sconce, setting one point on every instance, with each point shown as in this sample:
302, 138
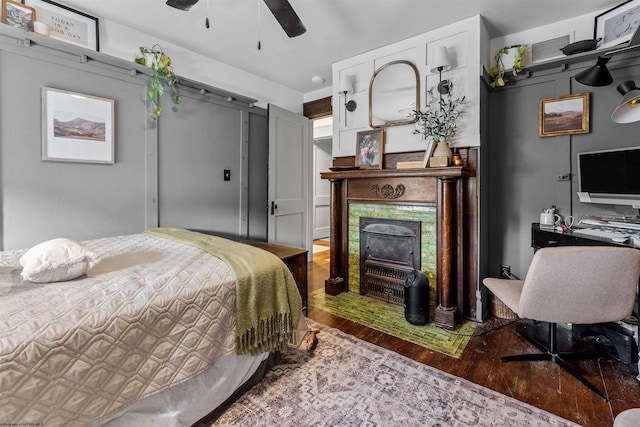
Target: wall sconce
346, 86
628, 110
440, 63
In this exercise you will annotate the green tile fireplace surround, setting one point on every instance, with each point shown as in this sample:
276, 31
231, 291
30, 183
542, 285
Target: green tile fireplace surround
425, 214
442, 199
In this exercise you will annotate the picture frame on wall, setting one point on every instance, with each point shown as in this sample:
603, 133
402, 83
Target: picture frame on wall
77, 127
370, 149
618, 24
18, 15
564, 115
67, 24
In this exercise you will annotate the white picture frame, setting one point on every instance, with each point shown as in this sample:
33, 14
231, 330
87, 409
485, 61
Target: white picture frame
77, 127
67, 24
617, 25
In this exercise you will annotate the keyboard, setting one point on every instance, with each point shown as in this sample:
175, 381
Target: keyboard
599, 232
629, 225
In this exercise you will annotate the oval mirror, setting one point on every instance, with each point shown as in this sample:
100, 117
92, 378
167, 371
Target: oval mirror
394, 92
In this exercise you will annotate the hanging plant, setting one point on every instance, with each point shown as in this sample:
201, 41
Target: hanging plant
162, 75
440, 120
498, 70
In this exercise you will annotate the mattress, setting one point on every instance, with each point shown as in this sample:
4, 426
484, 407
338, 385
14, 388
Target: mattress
150, 315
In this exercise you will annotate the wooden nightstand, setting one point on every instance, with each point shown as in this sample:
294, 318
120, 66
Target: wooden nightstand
295, 259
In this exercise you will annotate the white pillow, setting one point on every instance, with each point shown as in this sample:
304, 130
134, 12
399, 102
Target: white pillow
56, 260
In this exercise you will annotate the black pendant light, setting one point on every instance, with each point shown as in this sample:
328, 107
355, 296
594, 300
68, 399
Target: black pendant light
628, 109
597, 75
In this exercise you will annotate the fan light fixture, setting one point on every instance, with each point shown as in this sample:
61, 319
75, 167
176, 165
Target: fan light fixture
440, 63
628, 110
181, 4
346, 86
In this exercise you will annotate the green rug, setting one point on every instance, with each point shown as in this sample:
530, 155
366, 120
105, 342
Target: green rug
389, 318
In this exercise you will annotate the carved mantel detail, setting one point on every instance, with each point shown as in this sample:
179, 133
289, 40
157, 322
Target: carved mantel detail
430, 186
387, 191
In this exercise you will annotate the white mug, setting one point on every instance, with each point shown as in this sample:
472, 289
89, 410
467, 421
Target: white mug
548, 218
41, 28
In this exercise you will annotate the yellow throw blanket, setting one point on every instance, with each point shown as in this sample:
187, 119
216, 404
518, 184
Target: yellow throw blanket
268, 304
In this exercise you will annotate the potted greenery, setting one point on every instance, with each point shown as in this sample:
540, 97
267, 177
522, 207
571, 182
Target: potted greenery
512, 55
161, 74
439, 122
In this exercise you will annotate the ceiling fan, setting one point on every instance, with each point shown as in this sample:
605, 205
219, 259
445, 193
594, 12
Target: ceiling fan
281, 9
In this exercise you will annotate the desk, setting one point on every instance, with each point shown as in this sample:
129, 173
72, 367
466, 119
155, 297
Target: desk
543, 238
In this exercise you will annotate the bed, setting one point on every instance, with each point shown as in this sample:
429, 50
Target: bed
162, 328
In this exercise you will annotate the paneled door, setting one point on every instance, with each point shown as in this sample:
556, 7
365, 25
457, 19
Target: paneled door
289, 188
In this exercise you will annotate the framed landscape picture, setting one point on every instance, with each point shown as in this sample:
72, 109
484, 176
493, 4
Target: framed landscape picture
370, 149
564, 115
77, 127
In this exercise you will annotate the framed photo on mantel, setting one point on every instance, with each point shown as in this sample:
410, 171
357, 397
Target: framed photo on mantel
67, 24
370, 149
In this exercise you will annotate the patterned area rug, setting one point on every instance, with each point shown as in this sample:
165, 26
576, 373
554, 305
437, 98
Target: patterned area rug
347, 381
389, 318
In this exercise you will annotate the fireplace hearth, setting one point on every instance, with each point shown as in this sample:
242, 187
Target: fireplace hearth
389, 251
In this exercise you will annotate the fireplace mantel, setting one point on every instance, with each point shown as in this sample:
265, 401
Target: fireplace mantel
444, 188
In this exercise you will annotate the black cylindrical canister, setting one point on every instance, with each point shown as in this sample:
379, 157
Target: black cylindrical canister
416, 298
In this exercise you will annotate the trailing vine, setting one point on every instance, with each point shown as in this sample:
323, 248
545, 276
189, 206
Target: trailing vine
162, 74
498, 69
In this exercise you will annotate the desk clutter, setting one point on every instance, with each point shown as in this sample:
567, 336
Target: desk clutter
622, 229
618, 230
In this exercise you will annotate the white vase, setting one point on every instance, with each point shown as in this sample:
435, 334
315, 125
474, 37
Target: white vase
442, 150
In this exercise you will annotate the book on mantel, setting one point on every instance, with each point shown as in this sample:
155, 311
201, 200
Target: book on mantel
416, 164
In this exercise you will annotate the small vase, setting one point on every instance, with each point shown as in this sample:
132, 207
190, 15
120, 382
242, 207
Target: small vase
443, 150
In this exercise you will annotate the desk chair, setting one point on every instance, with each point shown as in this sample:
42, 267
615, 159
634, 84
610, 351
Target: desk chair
571, 284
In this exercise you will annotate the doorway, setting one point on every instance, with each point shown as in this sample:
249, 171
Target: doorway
322, 161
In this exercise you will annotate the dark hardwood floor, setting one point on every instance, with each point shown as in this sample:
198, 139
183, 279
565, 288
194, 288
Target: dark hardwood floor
541, 384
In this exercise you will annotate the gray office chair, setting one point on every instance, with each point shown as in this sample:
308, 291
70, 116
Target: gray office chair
572, 284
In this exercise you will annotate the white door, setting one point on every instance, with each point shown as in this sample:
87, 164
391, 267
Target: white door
289, 189
322, 161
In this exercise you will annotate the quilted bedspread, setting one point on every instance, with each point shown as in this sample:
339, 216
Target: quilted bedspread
151, 314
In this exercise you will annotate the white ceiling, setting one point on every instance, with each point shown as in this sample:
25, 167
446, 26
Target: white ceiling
336, 29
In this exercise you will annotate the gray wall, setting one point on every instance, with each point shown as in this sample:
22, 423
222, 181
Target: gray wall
521, 168
167, 173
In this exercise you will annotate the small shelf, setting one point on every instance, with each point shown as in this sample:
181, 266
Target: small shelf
28, 39
562, 63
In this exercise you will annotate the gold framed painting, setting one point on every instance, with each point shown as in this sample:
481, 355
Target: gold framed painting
370, 149
564, 115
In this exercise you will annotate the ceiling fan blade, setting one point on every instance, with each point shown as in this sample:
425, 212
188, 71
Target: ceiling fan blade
286, 17
181, 4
